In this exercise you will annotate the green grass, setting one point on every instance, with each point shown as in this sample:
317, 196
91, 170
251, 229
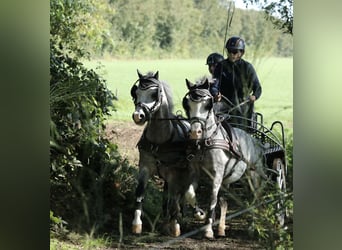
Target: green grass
275, 74
76, 241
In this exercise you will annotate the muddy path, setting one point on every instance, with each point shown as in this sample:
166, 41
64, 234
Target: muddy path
126, 135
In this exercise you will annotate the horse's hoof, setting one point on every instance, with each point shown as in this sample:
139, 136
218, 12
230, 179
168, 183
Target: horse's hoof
200, 215
209, 234
137, 229
221, 232
176, 231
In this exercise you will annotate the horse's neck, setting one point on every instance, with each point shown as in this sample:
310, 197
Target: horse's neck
211, 127
160, 128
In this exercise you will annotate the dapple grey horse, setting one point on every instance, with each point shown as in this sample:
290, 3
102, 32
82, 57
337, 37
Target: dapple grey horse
224, 156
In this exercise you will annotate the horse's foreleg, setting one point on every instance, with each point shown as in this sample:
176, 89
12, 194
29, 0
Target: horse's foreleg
190, 197
166, 201
217, 180
139, 193
222, 225
174, 214
137, 222
209, 233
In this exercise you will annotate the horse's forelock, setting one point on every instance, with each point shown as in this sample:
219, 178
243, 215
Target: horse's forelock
201, 80
149, 80
197, 93
146, 83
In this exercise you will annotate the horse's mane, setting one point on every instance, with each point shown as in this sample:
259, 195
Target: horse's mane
168, 93
201, 80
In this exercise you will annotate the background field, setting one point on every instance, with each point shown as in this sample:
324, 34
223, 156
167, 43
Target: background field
275, 74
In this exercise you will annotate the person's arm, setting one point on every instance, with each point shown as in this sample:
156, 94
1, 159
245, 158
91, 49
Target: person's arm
256, 86
215, 85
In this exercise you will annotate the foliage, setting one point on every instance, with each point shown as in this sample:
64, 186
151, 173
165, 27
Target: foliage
289, 158
284, 10
270, 233
84, 165
82, 25
76, 241
279, 12
57, 226
156, 29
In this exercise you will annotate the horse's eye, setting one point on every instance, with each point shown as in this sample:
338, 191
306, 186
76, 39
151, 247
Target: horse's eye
154, 95
208, 105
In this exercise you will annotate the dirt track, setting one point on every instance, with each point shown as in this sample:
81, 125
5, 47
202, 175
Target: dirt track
126, 135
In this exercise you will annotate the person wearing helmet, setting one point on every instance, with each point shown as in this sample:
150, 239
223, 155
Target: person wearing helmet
237, 80
212, 60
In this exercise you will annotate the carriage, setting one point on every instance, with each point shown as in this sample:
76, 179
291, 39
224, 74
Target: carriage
273, 140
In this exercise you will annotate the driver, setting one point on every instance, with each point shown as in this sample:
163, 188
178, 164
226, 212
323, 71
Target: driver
237, 80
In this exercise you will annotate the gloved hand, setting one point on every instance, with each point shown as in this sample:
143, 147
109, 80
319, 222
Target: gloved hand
252, 98
217, 98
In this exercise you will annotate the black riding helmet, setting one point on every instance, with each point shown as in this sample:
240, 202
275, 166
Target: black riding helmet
214, 58
235, 42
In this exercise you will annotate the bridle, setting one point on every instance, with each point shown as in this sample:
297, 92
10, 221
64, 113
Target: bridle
144, 84
197, 95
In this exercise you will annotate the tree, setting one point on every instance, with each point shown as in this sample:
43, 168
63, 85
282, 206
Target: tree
279, 12
81, 25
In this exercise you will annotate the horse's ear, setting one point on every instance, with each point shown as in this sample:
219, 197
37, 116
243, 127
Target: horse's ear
156, 75
139, 74
133, 92
188, 84
185, 105
206, 83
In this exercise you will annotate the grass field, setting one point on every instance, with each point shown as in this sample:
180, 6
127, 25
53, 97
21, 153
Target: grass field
275, 74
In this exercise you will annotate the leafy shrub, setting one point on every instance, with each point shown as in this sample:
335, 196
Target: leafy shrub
57, 226
270, 233
84, 164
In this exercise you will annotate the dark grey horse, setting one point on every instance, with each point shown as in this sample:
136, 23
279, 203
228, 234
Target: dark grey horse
162, 149
224, 157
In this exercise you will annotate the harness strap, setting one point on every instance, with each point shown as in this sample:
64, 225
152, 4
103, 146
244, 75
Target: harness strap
232, 139
169, 146
217, 143
165, 147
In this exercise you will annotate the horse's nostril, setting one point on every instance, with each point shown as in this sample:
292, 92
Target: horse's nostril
141, 116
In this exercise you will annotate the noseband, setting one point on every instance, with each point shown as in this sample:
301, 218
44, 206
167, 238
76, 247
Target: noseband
144, 84
197, 95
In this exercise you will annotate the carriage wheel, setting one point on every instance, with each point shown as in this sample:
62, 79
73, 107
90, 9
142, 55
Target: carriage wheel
279, 167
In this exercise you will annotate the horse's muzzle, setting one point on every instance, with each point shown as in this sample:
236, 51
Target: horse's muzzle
196, 134
139, 118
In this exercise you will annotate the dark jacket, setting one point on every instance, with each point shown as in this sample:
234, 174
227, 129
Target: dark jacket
236, 81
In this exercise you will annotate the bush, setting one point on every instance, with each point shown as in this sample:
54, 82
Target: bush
84, 164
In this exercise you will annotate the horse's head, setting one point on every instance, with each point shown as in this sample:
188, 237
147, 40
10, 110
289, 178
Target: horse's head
147, 93
198, 105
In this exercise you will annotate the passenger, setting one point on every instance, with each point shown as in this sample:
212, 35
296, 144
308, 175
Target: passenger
212, 60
